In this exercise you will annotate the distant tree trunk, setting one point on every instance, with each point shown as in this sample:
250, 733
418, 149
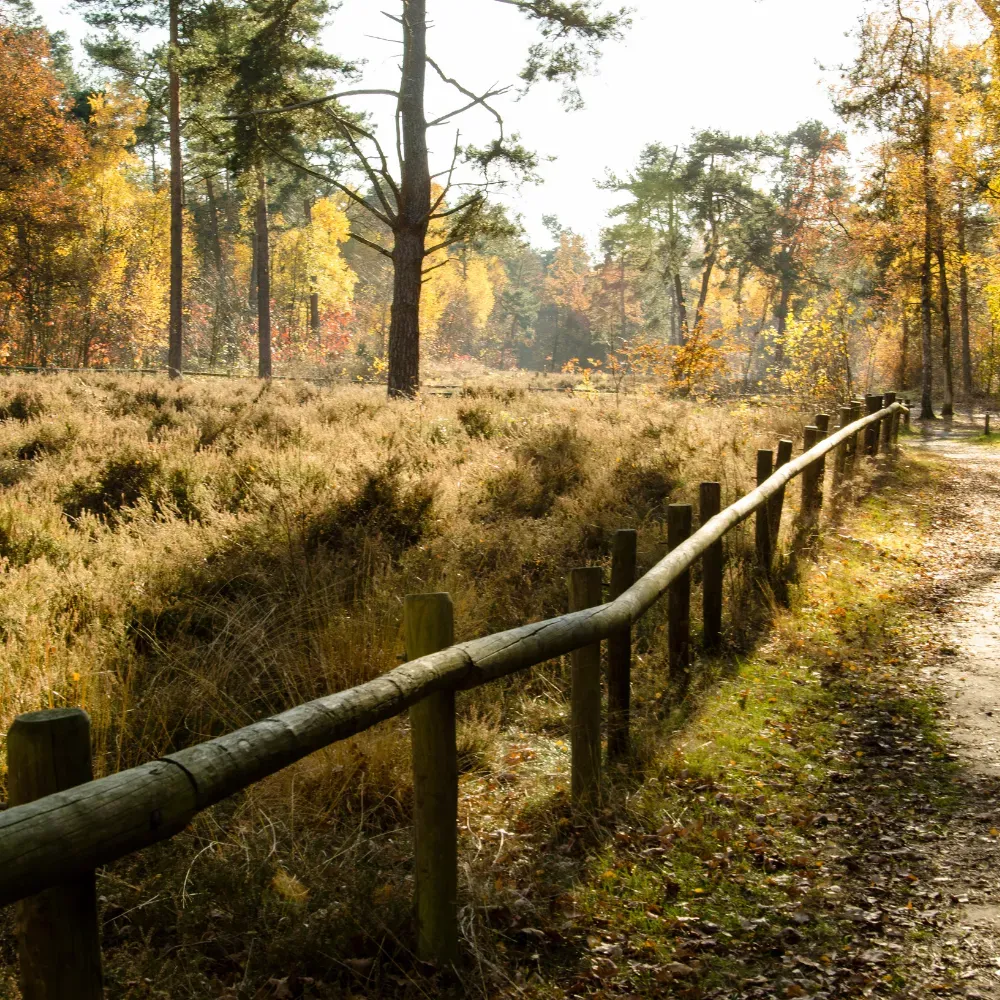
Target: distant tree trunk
215, 242
926, 343
781, 323
680, 307
904, 347
963, 303
414, 208
175, 350
314, 313
949, 389
263, 283
252, 290
711, 255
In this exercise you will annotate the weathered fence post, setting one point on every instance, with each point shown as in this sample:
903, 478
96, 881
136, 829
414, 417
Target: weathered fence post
679, 599
872, 405
58, 939
840, 460
810, 475
777, 502
623, 559
987, 423
887, 400
822, 422
710, 503
585, 698
762, 532
429, 626
856, 406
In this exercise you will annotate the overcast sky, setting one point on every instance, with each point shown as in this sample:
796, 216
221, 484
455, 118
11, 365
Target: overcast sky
739, 65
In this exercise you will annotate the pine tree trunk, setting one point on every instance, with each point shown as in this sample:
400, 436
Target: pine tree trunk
948, 408
904, 349
175, 350
263, 283
963, 304
414, 208
681, 311
926, 344
781, 324
215, 241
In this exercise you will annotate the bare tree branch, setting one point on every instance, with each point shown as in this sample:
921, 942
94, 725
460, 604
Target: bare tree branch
451, 170
451, 241
311, 103
434, 267
468, 93
459, 208
465, 107
369, 243
346, 128
354, 196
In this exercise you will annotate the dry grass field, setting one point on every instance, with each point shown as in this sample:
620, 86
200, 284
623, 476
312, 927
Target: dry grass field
183, 559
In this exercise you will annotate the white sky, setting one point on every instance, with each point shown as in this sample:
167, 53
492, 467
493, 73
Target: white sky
739, 65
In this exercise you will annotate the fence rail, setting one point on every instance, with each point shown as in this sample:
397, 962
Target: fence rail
53, 842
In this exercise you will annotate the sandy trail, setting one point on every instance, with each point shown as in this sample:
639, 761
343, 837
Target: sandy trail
964, 592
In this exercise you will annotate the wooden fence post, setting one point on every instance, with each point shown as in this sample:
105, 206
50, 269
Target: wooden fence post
987, 430
585, 698
840, 460
887, 400
777, 502
762, 528
810, 475
429, 626
856, 407
623, 560
679, 599
709, 504
822, 422
58, 938
872, 405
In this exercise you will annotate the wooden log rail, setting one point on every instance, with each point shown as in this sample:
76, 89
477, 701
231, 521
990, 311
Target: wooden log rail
59, 839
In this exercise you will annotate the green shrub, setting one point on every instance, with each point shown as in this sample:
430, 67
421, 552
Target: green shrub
122, 482
22, 405
477, 421
384, 508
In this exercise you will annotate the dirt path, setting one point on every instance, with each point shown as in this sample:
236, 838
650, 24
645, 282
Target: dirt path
962, 955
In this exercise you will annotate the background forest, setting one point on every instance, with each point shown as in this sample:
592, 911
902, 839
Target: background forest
732, 264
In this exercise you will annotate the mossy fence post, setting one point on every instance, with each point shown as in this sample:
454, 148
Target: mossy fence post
679, 519
776, 504
58, 938
762, 526
429, 626
887, 423
623, 562
585, 586
710, 504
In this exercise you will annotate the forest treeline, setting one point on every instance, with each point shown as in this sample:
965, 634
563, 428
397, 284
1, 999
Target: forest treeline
217, 196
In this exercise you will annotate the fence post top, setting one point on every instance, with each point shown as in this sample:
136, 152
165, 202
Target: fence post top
52, 716
442, 597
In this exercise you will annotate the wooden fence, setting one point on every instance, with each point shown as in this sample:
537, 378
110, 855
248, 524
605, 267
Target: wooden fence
61, 825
